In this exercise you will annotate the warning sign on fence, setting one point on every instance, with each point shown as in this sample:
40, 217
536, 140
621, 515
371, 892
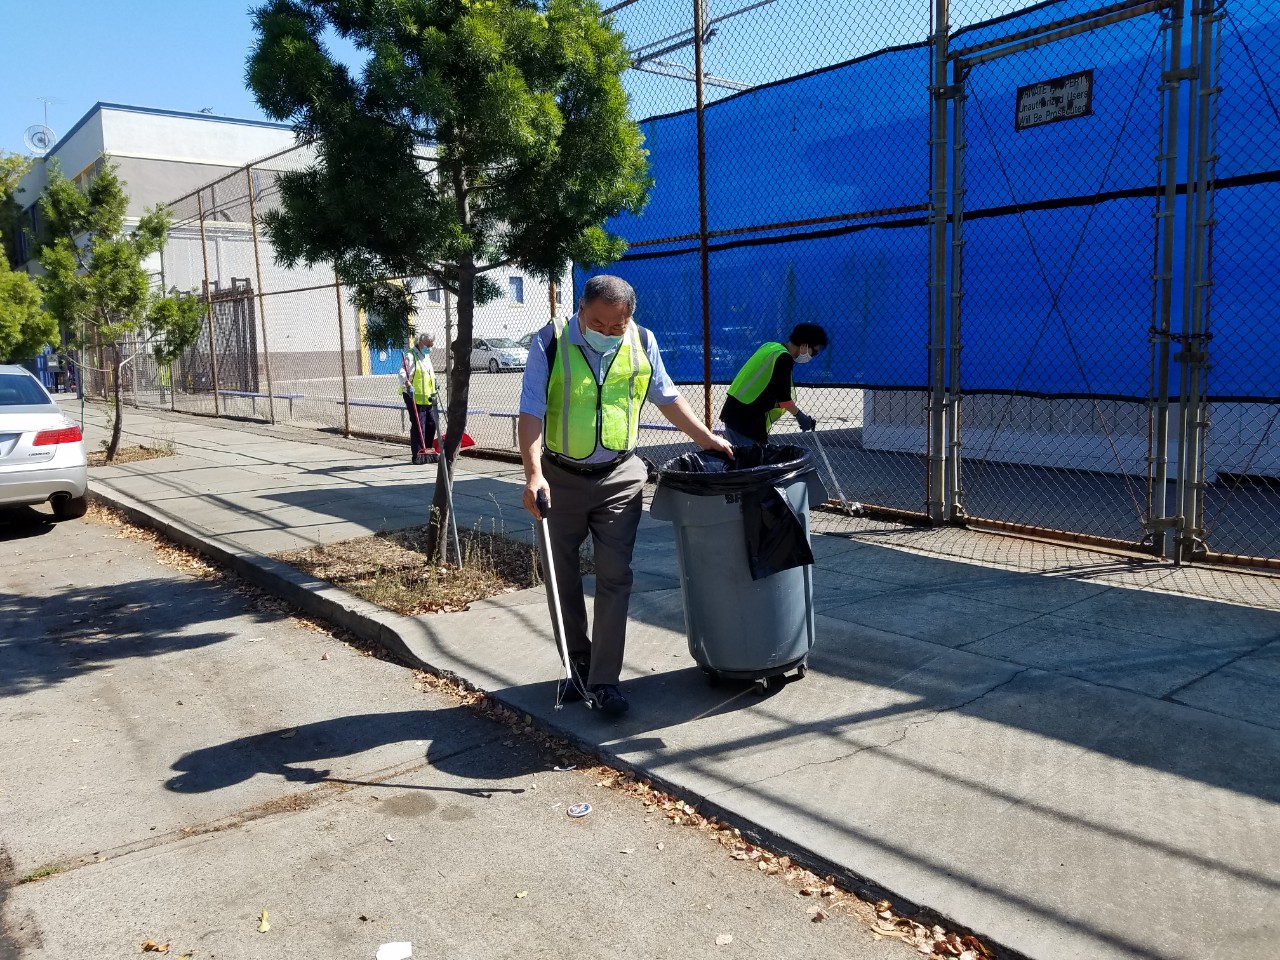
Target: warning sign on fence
1063, 98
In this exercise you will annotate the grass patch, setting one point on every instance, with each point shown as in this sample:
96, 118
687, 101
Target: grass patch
40, 874
98, 458
392, 569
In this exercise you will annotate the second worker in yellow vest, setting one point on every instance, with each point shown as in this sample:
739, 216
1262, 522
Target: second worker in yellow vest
763, 388
585, 383
418, 390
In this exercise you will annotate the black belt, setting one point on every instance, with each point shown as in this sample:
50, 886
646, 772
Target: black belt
586, 469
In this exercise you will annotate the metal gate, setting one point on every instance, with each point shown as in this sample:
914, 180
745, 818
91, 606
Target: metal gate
1064, 181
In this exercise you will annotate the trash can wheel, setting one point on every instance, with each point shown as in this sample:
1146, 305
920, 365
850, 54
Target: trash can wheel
713, 676
802, 669
760, 687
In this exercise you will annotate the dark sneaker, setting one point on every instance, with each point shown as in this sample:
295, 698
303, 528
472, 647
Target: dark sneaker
571, 691
608, 699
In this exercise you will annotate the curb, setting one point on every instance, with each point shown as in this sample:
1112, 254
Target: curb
396, 634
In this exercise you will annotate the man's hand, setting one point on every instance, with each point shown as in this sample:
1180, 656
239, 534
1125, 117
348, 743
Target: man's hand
532, 487
719, 444
807, 423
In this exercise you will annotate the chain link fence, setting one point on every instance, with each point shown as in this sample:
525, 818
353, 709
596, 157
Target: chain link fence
1040, 238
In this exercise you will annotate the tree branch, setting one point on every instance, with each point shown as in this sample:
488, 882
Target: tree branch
496, 266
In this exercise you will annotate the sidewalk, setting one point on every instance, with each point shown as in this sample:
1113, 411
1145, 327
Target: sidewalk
1065, 758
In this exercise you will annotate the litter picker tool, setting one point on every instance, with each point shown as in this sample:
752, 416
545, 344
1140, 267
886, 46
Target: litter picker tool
835, 483
553, 594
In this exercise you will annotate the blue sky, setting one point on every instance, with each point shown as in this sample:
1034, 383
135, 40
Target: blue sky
175, 55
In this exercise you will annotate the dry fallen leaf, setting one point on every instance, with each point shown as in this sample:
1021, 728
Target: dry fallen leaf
150, 946
324, 656
263, 925
724, 939
522, 894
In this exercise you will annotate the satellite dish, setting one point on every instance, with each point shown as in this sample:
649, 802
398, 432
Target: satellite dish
38, 139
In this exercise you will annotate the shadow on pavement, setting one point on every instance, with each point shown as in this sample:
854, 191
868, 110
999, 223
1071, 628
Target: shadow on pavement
302, 754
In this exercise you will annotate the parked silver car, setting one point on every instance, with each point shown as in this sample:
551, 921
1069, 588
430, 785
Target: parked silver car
496, 354
42, 456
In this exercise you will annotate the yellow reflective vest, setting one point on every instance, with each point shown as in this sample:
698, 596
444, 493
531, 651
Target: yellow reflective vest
581, 411
755, 376
421, 375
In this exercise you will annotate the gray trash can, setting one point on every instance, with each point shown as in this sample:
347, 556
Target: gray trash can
742, 548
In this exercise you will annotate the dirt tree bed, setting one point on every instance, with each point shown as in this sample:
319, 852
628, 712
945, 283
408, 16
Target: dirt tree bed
393, 570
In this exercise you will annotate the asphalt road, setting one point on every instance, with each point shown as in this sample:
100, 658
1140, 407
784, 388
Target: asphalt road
181, 756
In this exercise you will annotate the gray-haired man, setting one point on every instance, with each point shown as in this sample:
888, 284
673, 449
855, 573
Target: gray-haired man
584, 384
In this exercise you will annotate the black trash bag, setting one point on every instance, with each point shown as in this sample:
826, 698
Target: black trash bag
776, 537
755, 466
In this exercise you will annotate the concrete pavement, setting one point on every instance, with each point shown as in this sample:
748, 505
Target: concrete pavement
179, 757
1059, 749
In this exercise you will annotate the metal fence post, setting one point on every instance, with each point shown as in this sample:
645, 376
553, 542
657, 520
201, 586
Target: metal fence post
935, 496
342, 358
208, 303
262, 314
1161, 330
954, 496
1189, 537
702, 210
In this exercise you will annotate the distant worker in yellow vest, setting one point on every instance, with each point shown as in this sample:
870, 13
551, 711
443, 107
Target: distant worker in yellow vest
584, 384
763, 388
418, 389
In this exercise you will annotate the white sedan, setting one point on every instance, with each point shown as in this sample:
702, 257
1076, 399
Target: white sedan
42, 457
496, 354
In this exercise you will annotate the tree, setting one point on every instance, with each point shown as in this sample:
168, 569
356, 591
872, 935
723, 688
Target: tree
95, 283
477, 134
13, 167
25, 329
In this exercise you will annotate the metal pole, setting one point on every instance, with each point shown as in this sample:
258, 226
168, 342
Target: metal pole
955, 488
208, 302
1162, 327
262, 314
702, 211
342, 358
448, 344
935, 498
1194, 350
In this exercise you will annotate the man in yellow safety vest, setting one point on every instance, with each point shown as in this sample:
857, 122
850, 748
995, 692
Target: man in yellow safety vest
584, 384
763, 388
418, 389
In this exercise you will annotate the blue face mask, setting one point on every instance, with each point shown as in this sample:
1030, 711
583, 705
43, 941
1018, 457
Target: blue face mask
600, 342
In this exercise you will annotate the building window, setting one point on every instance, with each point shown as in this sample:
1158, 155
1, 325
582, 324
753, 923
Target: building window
434, 295
516, 288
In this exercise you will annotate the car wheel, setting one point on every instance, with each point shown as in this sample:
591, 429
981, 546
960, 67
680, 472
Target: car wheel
493, 366
70, 508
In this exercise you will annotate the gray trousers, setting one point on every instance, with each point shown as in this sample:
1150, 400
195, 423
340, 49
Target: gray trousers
608, 507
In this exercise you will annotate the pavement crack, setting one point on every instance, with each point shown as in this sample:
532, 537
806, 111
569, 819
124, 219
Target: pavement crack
909, 726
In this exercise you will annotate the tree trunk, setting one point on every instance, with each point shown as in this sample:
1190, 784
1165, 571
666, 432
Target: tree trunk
459, 397
116, 426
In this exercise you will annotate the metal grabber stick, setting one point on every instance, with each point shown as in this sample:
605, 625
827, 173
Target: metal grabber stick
553, 594
835, 483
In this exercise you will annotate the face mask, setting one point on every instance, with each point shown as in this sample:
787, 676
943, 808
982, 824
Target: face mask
600, 342
803, 357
